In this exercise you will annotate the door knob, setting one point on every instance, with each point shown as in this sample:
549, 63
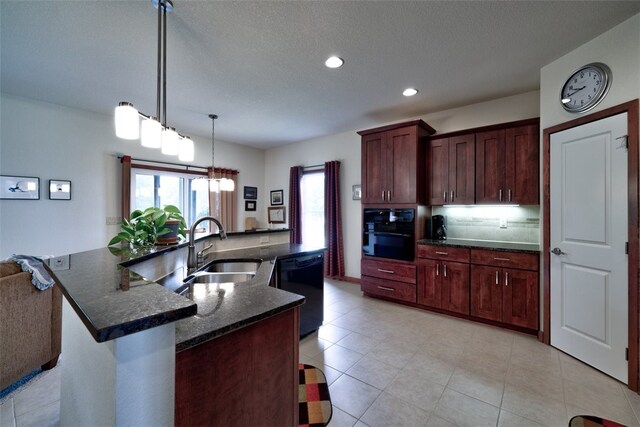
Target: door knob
558, 251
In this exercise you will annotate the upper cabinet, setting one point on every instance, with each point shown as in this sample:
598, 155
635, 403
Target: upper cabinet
451, 175
507, 166
393, 163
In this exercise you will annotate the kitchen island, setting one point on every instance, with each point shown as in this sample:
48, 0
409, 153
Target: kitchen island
127, 339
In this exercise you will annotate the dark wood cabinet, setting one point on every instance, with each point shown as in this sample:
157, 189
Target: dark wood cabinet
502, 293
245, 378
389, 279
443, 283
393, 163
455, 287
506, 168
451, 170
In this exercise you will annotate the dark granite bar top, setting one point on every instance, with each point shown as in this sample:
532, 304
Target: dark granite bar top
113, 301
113, 298
222, 309
531, 248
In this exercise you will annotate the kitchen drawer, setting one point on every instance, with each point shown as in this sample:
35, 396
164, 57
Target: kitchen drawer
388, 288
389, 270
446, 253
518, 260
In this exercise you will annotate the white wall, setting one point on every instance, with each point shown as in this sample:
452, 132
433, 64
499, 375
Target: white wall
346, 148
54, 142
619, 48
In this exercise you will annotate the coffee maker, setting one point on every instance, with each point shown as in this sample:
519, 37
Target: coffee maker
439, 227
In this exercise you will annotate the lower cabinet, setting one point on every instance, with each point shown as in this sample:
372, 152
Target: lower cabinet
502, 294
389, 279
495, 285
444, 285
488, 284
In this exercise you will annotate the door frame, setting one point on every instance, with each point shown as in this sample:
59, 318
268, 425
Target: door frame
631, 108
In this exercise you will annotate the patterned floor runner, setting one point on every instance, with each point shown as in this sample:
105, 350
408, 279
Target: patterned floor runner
591, 421
313, 397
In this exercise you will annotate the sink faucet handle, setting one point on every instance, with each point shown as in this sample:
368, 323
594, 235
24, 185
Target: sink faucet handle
200, 255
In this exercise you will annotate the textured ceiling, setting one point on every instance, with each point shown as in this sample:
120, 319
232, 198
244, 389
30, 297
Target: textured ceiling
260, 65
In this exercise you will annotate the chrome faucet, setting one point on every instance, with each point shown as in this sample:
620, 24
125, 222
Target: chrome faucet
192, 259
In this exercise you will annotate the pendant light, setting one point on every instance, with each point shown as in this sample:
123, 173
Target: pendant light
154, 132
217, 184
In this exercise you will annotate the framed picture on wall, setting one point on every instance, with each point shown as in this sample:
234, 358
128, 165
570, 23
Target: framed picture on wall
277, 197
59, 189
249, 205
251, 193
277, 215
19, 187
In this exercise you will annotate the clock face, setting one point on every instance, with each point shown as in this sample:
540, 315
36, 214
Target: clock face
585, 88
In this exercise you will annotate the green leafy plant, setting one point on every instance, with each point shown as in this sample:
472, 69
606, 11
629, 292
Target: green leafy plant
145, 227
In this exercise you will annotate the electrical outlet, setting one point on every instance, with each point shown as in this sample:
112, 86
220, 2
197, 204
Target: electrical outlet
264, 239
113, 220
503, 222
59, 263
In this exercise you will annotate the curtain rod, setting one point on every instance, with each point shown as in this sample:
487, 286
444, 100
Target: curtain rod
313, 166
167, 163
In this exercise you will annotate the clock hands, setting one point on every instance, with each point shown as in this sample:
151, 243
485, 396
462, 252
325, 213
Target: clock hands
576, 91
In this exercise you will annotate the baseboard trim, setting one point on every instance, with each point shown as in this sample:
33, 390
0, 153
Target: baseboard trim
348, 279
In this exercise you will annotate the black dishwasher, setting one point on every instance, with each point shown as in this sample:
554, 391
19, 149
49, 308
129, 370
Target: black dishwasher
303, 275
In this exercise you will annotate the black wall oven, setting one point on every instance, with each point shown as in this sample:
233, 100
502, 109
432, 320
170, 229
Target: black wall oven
389, 233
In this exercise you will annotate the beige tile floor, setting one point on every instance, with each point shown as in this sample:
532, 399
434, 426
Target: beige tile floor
390, 365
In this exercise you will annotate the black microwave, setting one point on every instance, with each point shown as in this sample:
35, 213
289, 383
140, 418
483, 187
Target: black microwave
389, 233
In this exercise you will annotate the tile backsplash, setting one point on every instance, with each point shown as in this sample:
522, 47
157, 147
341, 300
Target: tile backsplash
483, 222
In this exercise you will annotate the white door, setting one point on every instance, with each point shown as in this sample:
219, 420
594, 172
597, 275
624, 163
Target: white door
589, 284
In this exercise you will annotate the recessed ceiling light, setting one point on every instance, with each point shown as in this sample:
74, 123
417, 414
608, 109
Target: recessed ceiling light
410, 91
334, 62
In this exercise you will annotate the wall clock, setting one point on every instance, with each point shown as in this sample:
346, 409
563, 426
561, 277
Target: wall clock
585, 88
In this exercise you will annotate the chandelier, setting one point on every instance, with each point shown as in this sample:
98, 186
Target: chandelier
154, 131
217, 184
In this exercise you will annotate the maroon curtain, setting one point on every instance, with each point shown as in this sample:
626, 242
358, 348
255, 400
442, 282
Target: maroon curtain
334, 261
295, 204
125, 193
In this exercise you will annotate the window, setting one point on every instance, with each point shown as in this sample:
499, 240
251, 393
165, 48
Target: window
312, 195
160, 188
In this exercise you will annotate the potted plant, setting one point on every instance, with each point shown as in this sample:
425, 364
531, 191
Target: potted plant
151, 226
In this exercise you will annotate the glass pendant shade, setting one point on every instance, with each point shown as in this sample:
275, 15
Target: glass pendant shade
170, 142
227, 184
127, 122
151, 133
214, 186
186, 150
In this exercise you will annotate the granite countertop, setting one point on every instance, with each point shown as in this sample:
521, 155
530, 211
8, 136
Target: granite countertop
112, 300
110, 294
222, 309
532, 248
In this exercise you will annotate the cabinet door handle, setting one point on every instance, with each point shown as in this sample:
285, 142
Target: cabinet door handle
451, 197
509, 194
388, 195
506, 278
444, 195
497, 278
382, 195
386, 271
445, 270
384, 288
500, 194
437, 269
501, 259
442, 253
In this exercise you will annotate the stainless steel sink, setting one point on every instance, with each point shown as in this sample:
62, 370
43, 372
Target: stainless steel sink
245, 266
231, 277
